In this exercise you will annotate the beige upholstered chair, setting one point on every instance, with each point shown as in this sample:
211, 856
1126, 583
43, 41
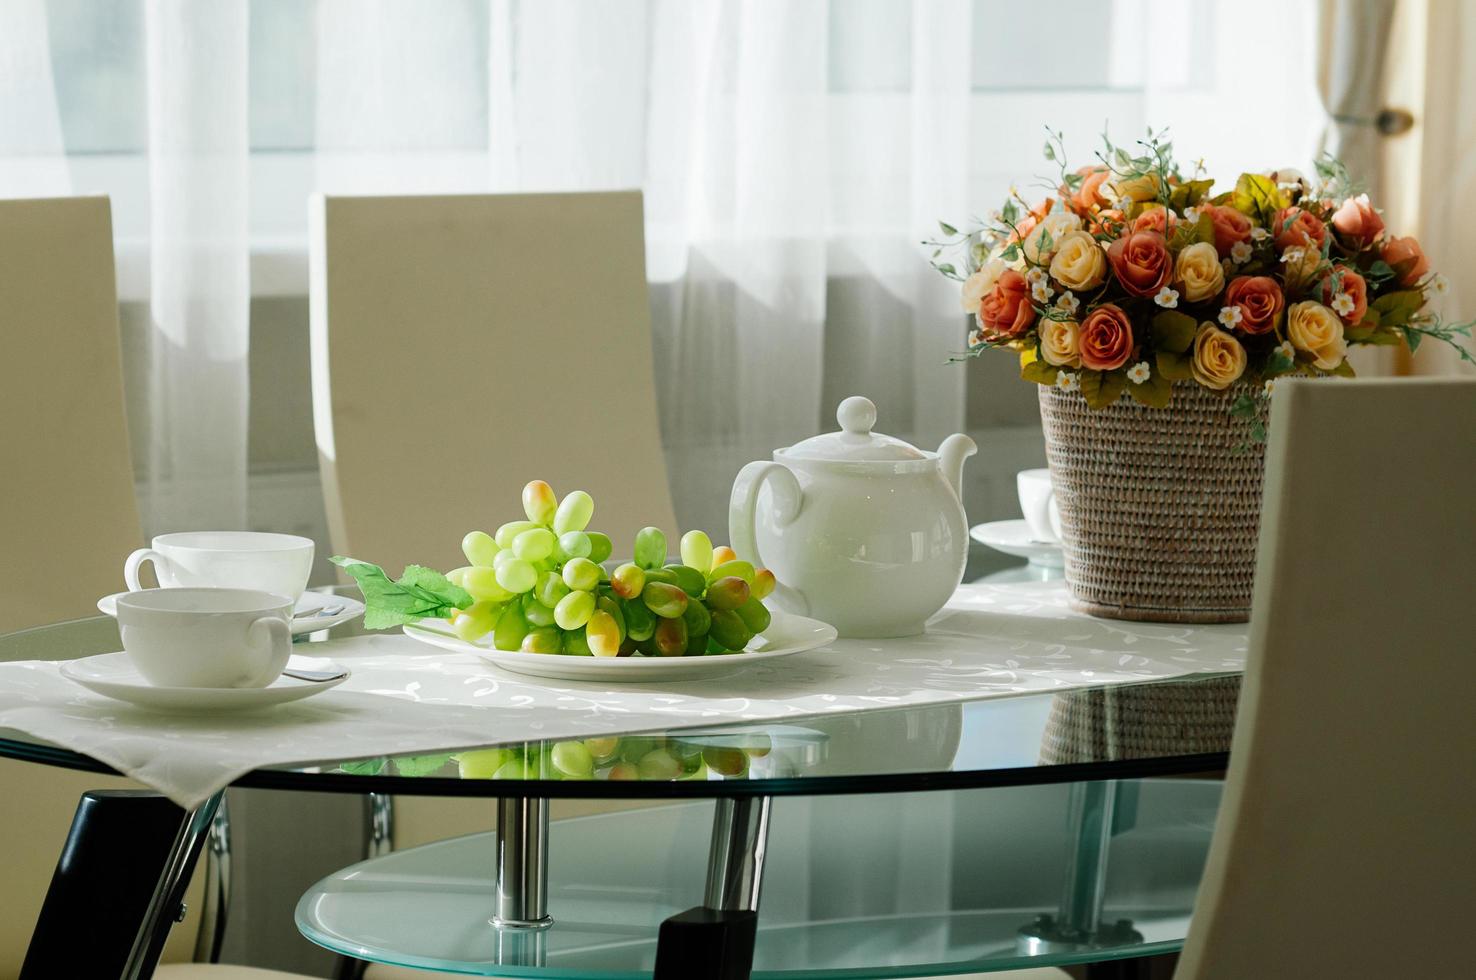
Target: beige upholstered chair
1344, 846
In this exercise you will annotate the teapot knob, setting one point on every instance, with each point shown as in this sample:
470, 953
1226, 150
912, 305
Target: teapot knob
856, 415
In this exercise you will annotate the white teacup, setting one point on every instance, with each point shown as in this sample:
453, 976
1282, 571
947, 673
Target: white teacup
279, 563
1038, 502
206, 637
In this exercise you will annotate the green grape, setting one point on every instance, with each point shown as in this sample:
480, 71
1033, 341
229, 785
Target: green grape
696, 548
696, 643
661, 575
603, 634
602, 749
738, 567
480, 763
539, 502
697, 618
503, 557
475, 621
572, 759
687, 752
550, 588
623, 771
628, 580
729, 629
757, 746
517, 576
483, 585
581, 574
575, 544
479, 548
633, 748
763, 583
535, 612
534, 544
574, 610
725, 760
728, 592
671, 637
514, 768
640, 622
714, 647
666, 601
755, 616
457, 576
612, 607
574, 513
659, 764
576, 644
599, 547
650, 548
691, 581
511, 628
508, 533
544, 639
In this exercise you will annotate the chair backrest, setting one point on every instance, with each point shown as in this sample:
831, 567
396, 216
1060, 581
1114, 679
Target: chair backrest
69, 516
465, 345
1345, 845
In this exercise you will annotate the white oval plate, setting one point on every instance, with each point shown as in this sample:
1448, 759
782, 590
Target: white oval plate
307, 615
1013, 538
787, 634
114, 675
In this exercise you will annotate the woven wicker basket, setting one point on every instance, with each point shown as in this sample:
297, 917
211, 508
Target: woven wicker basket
1141, 721
1159, 506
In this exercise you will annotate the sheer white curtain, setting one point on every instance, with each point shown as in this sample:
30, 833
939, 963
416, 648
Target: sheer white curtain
33, 159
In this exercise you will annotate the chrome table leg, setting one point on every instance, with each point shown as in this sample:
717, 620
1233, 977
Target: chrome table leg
165, 905
522, 864
735, 859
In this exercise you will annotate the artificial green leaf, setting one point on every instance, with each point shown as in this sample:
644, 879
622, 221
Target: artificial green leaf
947, 229
420, 765
1395, 309
419, 594
1387, 336
1244, 407
1344, 370
1257, 195
363, 767
1034, 369
1278, 363
1156, 392
1102, 388
1412, 339
1012, 253
1174, 367
1173, 331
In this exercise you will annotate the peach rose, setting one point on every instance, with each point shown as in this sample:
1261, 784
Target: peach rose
1218, 360
1260, 300
1141, 261
1408, 260
1006, 311
1358, 222
1106, 338
1314, 328
1156, 218
1345, 282
1035, 247
1088, 193
1108, 221
1199, 273
981, 284
1231, 227
1079, 262
1295, 228
1058, 343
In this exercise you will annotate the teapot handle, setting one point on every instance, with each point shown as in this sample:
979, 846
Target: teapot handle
742, 513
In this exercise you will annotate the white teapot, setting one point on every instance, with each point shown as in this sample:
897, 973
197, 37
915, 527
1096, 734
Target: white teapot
861, 530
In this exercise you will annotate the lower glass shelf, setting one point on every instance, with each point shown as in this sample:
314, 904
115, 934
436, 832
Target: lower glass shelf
878, 886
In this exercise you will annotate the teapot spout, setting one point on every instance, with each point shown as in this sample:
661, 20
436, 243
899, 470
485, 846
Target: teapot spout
951, 455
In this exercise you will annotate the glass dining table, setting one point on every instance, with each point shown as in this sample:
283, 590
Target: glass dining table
1040, 829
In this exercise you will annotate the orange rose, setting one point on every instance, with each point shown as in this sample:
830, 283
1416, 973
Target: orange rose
1358, 222
1408, 260
1260, 300
1231, 227
1088, 193
1347, 282
1295, 228
1105, 339
1006, 310
1141, 262
1109, 221
1158, 219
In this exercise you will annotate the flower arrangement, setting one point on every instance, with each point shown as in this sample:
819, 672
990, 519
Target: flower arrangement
1132, 276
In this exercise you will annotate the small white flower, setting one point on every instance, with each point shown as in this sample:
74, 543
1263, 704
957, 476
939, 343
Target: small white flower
1344, 304
1042, 292
1286, 350
1034, 275
976, 337
1293, 255
1240, 253
1167, 298
1068, 303
1139, 372
1068, 381
1269, 386
1259, 234
1440, 284
1230, 316
1191, 215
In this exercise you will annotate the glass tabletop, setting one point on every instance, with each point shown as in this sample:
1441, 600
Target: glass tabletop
1117, 731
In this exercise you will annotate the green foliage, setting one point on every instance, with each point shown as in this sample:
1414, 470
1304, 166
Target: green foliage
1398, 308
1174, 367
1173, 331
1156, 392
420, 593
1034, 369
1258, 195
1102, 388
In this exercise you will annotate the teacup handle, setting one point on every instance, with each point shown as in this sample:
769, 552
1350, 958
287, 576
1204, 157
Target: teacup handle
130, 567
279, 635
743, 512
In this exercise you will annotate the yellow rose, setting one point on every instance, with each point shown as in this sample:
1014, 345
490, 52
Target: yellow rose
1141, 188
1314, 328
1199, 272
1300, 267
1218, 357
1056, 225
1080, 262
1058, 343
979, 285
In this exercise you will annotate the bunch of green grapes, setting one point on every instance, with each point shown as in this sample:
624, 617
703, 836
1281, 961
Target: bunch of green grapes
656, 758
540, 586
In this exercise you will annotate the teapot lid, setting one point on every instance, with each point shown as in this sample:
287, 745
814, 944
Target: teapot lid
856, 443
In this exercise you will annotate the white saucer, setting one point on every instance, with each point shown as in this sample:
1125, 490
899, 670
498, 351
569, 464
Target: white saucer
1013, 538
113, 675
307, 615
787, 634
